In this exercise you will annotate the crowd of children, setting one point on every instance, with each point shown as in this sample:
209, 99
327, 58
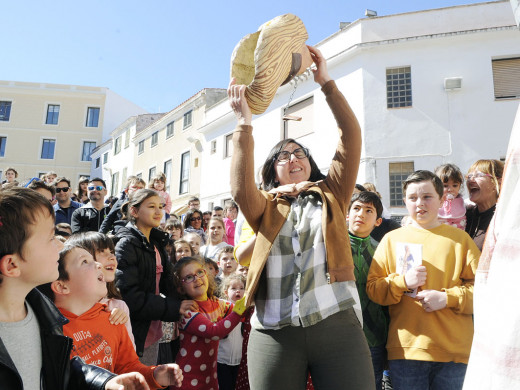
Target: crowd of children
162, 298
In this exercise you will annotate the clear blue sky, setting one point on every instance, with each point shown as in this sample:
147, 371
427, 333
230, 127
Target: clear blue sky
156, 53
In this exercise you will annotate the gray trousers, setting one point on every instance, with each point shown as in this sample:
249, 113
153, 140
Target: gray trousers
334, 350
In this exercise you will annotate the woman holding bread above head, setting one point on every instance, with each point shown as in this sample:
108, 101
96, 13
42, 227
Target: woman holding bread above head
301, 273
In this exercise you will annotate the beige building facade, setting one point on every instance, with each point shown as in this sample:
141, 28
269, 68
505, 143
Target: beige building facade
173, 145
113, 161
55, 127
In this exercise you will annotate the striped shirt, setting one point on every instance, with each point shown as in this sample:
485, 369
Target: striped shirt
293, 289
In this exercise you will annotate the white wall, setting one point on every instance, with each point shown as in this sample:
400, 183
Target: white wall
117, 110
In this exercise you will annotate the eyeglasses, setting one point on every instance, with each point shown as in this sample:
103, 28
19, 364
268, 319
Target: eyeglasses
192, 277
299, 153
97, 188
193, 219
64, 189
477, 175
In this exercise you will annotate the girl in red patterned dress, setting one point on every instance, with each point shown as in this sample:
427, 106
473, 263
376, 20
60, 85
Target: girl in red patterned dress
200, 331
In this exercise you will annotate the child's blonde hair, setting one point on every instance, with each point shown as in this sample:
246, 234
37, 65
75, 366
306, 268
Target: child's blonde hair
179, 266
159, 177
227, 282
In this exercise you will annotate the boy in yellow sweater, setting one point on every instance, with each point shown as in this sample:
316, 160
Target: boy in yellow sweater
431, 303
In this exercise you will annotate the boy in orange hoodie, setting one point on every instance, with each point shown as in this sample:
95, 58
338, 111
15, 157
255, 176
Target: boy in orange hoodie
76, 293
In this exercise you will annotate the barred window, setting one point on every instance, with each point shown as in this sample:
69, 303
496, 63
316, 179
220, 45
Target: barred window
398, 173
399, 87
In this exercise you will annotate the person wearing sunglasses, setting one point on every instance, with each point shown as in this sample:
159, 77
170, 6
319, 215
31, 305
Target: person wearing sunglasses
193, 224
483, 180
65, 206
90, 216
301, 272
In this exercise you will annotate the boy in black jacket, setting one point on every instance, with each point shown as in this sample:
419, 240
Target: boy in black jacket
33, 351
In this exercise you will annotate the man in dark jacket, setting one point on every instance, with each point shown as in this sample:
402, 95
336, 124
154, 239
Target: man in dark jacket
90, 217
65, 206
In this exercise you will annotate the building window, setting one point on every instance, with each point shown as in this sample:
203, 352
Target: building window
53, 112
506, 78
228, 144
140, 149
151, 174
399, 87
127, 138
187, 119
98, 162
88, 147
140, 175
169, 129
115, 184
92, 117
48, 146
3, 142
185, 173
105, 158
125, 175
168, 173
213, 147
398, 171
5, 111
155, 139
300, 110
117, 146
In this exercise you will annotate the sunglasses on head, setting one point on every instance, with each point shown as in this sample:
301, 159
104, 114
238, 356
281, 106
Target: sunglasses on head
97, 188
64, 189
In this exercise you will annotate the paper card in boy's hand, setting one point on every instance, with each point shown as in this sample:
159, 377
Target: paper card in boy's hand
407, 256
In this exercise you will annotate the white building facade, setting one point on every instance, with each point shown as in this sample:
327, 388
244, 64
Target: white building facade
428, 88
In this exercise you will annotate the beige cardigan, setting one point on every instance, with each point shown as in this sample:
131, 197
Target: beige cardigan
266, 215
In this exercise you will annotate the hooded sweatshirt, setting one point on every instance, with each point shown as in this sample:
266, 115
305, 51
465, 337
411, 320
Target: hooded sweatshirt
100, 343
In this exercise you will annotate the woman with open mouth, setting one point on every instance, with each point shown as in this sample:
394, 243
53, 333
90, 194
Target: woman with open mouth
483, 180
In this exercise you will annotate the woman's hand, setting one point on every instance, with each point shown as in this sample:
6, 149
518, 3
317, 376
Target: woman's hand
321, 74
238, 102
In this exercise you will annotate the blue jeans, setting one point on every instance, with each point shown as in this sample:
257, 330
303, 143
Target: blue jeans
420, 375
378, 362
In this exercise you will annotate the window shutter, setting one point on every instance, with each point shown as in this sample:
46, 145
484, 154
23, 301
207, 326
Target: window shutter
506, 78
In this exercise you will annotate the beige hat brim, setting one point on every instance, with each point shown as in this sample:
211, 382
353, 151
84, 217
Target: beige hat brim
263, 60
